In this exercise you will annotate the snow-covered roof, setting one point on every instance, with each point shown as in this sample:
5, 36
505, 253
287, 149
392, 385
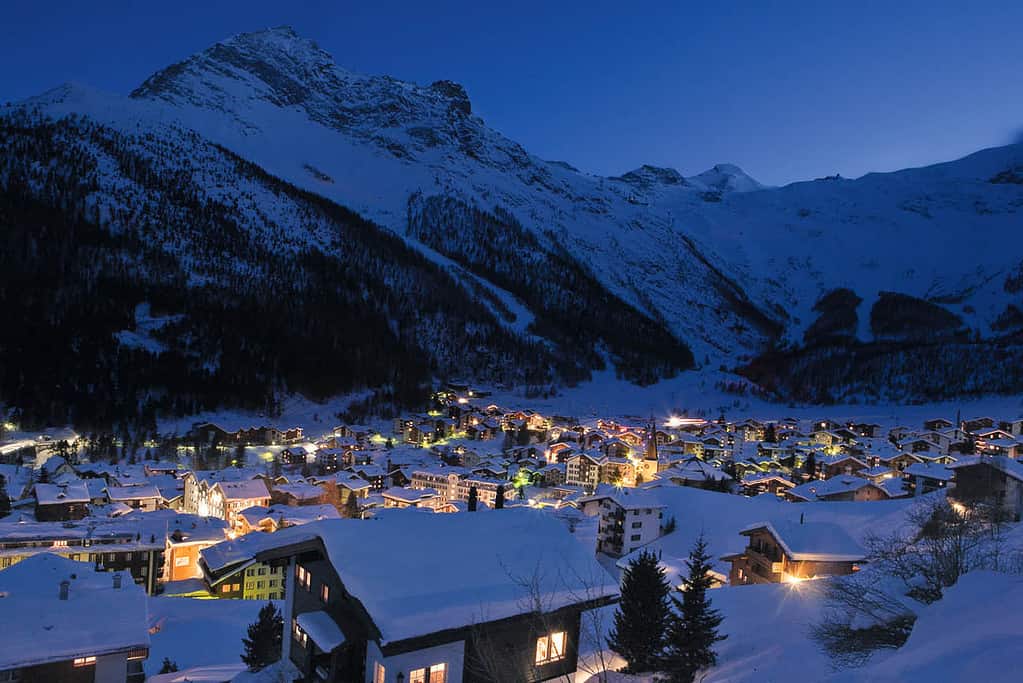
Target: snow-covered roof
53, 494
1004, 464
844, 483
409, 495
626, 498
241, 549
930, 470
95, 619
812, 541
249, 489
299, 491
132, 492
322, 629
500, 550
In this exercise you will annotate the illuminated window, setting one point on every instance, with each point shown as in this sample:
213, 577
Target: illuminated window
300, 636
138, 653
324, 593
434, 674
379, 673
226, 588
550, 648
305, 579
83, 661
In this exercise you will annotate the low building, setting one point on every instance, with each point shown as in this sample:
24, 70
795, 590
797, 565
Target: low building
61, 502
785, 552
184, 542
396, 497
927, 477
841, 488
990, 480
756, 483
231, 570
67, 622
143, 497
352, 617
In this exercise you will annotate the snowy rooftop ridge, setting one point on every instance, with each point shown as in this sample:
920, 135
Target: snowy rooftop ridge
812, 541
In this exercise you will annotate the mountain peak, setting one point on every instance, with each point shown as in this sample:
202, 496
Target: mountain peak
726, 178
647, 176
279, 64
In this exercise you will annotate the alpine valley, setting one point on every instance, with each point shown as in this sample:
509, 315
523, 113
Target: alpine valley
256, 221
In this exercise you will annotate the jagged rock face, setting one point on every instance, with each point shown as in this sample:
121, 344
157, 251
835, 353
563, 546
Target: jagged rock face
285, 70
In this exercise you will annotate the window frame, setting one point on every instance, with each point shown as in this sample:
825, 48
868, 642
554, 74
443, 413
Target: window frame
547, 648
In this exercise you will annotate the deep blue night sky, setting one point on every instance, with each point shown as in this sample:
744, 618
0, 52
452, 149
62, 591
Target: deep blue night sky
787, 90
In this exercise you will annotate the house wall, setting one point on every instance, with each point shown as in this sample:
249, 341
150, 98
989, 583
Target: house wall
516, 640
182, 561
622, 531
61, 512
985, 484
452, 655
112, 668
263, 582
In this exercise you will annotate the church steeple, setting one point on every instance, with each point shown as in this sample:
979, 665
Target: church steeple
651, 441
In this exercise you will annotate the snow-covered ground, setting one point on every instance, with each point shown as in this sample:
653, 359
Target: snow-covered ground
973, 633
198, 632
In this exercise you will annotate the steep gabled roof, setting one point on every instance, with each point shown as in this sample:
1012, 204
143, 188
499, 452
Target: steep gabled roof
812, 541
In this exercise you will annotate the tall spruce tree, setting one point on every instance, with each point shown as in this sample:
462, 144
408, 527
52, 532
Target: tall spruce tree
499, 498
693, 629
473, 499
643, 615
265, 635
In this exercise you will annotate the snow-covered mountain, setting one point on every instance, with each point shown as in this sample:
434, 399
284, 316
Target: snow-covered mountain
726, 265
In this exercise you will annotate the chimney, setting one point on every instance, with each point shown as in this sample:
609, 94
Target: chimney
117, 580
65, 586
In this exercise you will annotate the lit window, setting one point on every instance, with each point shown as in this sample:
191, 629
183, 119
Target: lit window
550, 648
138, 653
305, 579
379, 673
439, 673
83, 661
417, 676
324, 593
300, 636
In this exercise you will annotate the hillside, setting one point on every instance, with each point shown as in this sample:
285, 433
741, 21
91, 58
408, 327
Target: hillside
295, 225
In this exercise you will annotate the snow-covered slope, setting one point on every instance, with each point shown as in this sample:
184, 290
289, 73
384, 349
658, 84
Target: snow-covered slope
728, 265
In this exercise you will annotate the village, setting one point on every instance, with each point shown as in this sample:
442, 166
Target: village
470, 497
